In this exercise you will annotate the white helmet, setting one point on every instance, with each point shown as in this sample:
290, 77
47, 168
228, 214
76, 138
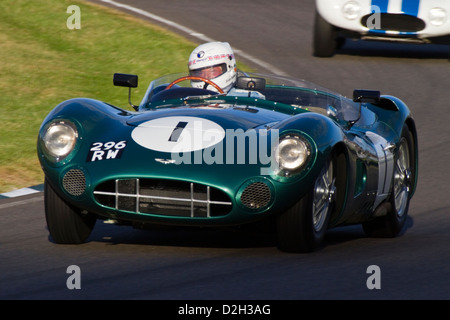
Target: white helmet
214, 61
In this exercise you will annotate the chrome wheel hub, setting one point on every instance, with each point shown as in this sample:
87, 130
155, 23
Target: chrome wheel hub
324, 194
402, 179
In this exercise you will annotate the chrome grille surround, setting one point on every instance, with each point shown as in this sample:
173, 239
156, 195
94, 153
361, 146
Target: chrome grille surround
163, 197
74, 182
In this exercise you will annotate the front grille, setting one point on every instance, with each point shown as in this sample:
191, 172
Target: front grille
256, 195
74, 182
163, 197
393, 22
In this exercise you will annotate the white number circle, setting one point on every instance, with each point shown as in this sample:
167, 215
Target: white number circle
178, 134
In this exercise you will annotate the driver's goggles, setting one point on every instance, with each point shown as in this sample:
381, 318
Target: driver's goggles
210, 72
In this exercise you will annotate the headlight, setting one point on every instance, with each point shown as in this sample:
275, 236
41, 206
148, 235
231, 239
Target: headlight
351, 10
292, 153
59, 139
437, 16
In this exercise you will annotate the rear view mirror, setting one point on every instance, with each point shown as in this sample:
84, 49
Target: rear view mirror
125, 80
370, 96
129, 81
251, 83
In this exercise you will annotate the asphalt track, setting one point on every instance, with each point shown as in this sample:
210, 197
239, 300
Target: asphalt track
123, 263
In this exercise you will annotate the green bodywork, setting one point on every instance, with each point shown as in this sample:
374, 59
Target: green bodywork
300, 111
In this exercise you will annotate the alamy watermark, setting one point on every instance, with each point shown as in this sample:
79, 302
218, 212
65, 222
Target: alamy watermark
374, 280
374, 20
74, 20
74, 280
237, 147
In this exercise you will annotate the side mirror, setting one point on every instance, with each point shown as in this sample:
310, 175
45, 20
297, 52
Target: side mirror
125, 80
370, 96
251, 83
129, 81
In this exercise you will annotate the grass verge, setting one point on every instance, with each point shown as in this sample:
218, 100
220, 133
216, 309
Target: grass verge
44, 63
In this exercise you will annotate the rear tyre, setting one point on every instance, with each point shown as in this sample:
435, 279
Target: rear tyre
391, 225
302, 228
325, 39
66, 224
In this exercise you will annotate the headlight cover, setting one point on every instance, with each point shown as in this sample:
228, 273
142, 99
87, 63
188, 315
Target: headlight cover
291, 154
59, 139
438, 16
351, 10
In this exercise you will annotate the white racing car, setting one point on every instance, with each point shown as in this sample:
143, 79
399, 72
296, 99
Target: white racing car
420, 21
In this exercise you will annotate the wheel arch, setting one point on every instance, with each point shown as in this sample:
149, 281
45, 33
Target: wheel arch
410, 124
340, 154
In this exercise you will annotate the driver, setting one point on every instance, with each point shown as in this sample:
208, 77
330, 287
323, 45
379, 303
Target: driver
214, 61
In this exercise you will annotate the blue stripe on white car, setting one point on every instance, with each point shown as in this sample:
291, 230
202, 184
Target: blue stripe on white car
409, 7
382, 4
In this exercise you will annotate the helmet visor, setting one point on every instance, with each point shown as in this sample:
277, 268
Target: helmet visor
209, 72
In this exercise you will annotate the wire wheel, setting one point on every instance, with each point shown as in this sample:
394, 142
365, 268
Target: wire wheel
302, 227
324, 191
402, 179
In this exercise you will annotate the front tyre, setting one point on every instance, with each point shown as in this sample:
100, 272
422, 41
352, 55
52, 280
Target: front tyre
325, 38
65, 224
390, 225
302, 227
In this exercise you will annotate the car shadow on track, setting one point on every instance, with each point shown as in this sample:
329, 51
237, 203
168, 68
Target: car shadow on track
244, 237
394, 50
183, 237
340, 235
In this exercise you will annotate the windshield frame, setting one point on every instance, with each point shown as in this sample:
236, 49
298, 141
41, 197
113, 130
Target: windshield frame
319, 99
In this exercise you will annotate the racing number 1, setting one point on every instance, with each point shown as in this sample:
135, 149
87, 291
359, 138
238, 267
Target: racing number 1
177, 131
